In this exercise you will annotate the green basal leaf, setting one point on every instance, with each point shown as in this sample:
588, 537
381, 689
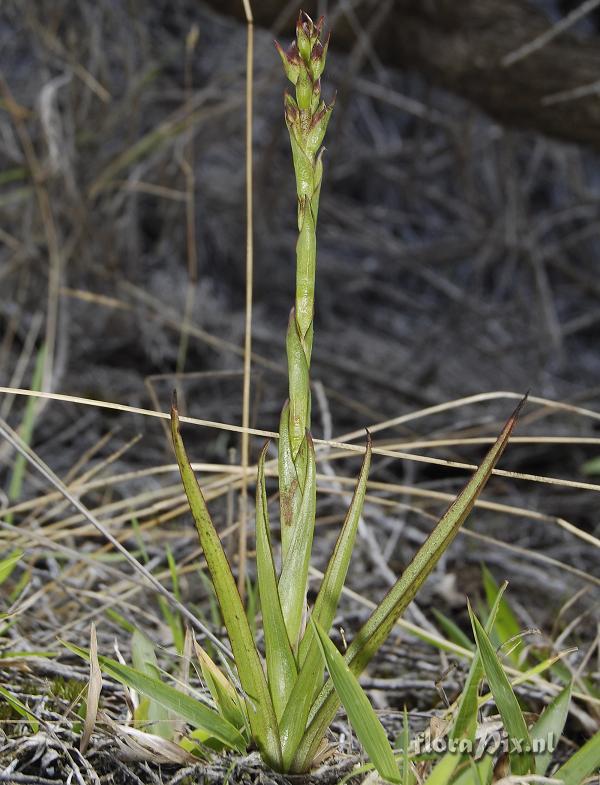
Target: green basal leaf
591, 467
530, 673
192, 711
584, 762
465, 722
261, 713
522, 761
506, 627
123, 623
222, 691
478, 773
407, 773
26, 430
20, 708
452, 631
8, 564
337, 569
444, 769
149, 711
549, 727
363, 719
377, 628
281, 665
173, 620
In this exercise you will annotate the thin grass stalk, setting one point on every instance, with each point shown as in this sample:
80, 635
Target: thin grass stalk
245, 445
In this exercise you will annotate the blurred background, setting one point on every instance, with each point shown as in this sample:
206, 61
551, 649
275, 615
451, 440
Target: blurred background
459, 241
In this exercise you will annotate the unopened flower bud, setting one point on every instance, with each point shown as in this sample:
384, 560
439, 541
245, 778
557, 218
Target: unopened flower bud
304, 26
291, 109
317, 59
318, 127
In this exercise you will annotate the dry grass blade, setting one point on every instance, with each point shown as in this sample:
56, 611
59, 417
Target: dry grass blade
345, 445
93, 693
242, 534
49, 475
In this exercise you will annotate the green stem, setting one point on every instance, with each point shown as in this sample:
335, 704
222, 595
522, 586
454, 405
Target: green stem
306, 116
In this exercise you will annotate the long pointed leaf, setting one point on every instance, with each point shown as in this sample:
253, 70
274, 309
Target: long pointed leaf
377, 628
20, 708
281, 664
337, 568
261, 714
310, 678
191, 710
478, 773
407, 773
443, 769
8, 564
580, 765
521, 761
549, 727
222, 691
507, 626
452, 631
465, 722
144, 661
362, 717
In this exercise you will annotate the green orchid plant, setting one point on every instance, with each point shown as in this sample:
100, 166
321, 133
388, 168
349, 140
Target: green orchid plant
282, 699
289, 706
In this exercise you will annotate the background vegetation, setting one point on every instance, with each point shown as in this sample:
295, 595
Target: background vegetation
458, 256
